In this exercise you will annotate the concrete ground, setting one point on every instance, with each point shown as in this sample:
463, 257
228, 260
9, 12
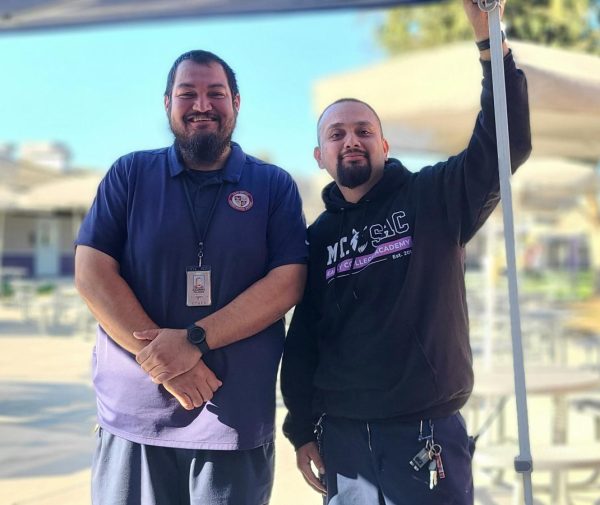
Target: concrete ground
47, 417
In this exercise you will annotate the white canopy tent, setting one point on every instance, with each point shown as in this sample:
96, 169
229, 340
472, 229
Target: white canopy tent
73, 194
18, 15
547, 178
426, 105
70, 193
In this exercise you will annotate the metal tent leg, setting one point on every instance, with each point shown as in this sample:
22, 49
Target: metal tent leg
523, 462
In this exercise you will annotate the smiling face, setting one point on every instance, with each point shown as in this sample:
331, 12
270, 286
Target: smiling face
202, 112
351, 145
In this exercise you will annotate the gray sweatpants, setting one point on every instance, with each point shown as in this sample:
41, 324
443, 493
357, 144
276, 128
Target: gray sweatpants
126, 473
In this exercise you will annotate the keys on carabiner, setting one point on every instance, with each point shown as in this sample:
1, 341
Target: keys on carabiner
440, 466
430, 455
433, 474
436, 455
420, 459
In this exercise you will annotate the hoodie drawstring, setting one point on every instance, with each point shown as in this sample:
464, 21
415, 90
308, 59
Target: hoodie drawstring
354, 281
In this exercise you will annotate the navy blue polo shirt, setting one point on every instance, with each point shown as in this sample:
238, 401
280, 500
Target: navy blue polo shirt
141, 217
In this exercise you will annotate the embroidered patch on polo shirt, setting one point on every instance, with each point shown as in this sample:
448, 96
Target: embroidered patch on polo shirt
240, 200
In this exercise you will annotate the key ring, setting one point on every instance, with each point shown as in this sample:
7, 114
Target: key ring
487, 5
435, 449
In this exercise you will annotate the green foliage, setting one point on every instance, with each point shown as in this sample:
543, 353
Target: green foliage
6, 289
45, 289
559, 285
563, 23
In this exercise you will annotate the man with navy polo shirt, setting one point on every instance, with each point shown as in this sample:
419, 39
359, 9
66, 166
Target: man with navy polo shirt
207, 243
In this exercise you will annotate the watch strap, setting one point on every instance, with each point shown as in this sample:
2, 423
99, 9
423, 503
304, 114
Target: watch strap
200, 344
483, 45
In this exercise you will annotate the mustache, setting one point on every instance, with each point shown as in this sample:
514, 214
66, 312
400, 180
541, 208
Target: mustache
196, 115
353, 150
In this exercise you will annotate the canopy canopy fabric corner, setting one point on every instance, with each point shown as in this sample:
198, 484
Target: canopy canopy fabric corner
20, 15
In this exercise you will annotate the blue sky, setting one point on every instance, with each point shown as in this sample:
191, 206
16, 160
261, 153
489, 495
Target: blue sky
99, 90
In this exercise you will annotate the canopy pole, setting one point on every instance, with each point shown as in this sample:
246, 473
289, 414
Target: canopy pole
523, 462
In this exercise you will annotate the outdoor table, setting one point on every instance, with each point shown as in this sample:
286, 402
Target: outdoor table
24, 294
557, 459
554, 381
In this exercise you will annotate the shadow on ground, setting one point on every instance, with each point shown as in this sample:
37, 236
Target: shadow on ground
31, 327
45, 428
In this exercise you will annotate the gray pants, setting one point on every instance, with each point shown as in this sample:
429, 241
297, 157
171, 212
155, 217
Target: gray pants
126, 473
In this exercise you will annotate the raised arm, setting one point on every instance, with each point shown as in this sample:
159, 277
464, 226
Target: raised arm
468, 184
479, 23
482, 147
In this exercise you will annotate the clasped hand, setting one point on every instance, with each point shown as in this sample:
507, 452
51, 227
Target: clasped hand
168, 354
175, 363
195, 387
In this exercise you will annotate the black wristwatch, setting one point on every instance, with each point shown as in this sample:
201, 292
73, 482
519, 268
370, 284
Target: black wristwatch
197, 336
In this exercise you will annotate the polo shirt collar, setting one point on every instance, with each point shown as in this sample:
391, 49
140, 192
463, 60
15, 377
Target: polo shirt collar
232, 170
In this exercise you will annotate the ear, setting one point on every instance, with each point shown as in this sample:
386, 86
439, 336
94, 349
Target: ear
386, 148
317, 155
237, 100
167, 101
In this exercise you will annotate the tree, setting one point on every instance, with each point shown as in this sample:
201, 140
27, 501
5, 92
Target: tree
563, 23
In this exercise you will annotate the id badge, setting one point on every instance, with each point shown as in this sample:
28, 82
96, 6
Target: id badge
198, 286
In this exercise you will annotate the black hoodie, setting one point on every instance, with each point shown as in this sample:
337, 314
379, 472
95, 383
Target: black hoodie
382, 331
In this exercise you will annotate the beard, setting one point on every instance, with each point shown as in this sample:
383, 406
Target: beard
354, 173
203, 147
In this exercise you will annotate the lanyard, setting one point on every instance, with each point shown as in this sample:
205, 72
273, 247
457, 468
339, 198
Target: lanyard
200, 236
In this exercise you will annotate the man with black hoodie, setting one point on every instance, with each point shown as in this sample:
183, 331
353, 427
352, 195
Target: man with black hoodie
377, 361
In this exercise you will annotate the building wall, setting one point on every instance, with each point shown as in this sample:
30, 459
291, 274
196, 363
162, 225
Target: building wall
20, 243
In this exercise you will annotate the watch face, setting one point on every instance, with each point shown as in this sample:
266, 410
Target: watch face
196, 335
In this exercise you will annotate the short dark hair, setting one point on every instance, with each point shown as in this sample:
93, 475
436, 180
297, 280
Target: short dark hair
342, 100
202, 58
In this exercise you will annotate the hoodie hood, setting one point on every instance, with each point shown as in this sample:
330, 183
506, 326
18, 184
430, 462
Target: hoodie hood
395, 175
